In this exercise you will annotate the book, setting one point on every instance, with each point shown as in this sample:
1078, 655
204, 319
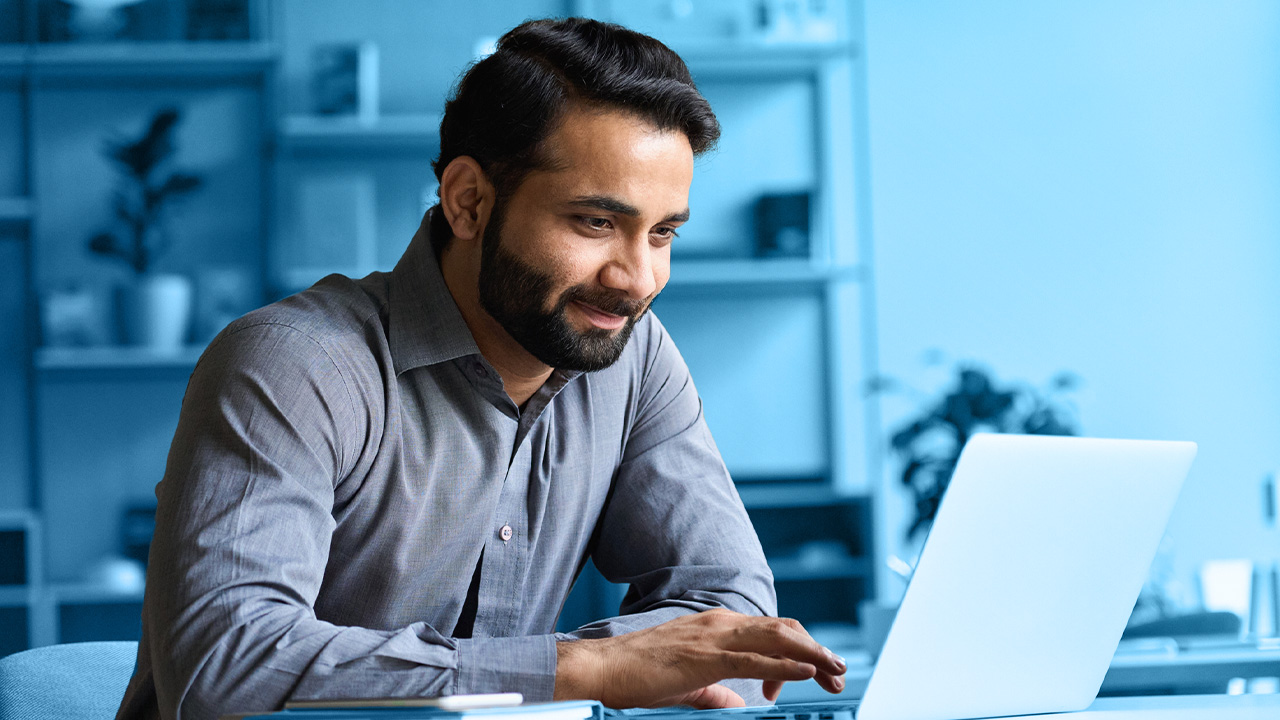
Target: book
426, 709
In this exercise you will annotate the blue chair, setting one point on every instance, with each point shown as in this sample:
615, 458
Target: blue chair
84, 681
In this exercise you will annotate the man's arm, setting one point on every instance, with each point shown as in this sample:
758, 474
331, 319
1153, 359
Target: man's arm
675, 530
269, 425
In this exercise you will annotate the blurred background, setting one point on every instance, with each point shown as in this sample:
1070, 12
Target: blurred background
924, 219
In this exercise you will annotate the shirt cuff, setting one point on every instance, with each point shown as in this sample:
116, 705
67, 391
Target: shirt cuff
526, 665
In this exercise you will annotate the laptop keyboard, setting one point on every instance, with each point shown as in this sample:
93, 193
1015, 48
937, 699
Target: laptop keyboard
796, 711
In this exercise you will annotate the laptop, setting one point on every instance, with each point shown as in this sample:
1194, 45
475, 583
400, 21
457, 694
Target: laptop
1025, 583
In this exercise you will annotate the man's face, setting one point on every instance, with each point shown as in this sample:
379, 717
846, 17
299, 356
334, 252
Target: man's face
574, 257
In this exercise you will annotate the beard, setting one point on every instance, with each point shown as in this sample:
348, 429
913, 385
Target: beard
515, 294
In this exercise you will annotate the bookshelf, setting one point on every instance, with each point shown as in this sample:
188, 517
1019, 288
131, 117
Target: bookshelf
777, 345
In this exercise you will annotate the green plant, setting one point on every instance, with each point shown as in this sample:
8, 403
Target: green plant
929, 444
147, 186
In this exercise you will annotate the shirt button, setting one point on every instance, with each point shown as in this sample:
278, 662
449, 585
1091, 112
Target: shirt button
480, 371
505, 533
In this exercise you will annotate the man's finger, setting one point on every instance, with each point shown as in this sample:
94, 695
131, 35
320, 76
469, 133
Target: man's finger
771, 689
714, 697
775, 636
831, 682
753, 665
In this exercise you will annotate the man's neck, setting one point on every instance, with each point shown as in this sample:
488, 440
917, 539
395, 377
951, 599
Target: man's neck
522, 374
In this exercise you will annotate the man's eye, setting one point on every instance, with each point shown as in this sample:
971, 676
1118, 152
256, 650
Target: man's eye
595, 223
667, 233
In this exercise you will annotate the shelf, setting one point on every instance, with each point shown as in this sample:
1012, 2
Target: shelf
799, 569
17, 596
116, 358
13, 59
159, 60
391, 132
789, 494
15, 210
749, 272
685, 274
91, 594
730, 60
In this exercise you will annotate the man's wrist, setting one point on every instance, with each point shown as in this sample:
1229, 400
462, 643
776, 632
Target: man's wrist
576, 671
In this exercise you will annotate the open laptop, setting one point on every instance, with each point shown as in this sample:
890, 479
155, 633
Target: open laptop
1026, 581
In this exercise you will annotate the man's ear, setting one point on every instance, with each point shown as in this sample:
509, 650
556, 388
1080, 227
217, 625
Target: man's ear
466, 197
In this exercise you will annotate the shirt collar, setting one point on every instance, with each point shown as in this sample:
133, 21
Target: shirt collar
426, 326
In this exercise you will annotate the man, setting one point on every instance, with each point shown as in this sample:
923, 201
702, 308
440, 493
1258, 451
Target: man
386, 486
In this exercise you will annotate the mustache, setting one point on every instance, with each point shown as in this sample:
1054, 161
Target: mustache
605, 300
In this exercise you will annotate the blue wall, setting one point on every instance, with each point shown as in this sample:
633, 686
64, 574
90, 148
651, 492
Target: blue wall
1084, 186
1091, 186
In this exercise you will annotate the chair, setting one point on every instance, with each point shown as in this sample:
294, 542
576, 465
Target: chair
84, 681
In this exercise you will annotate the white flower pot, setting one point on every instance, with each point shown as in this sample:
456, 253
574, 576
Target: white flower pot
155, 311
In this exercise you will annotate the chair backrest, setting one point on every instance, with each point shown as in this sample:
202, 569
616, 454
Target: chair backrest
85, 681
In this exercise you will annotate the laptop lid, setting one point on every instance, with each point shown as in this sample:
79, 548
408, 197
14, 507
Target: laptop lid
1028, 577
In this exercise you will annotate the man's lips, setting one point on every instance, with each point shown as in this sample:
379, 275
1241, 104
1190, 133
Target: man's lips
600, 318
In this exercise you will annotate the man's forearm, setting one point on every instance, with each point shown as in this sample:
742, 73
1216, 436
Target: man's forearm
258, 668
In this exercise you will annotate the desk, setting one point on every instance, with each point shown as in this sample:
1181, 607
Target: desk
1161, 707
1176, 707
1159, 671
1174, 671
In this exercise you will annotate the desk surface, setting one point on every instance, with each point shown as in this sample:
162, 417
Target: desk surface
1177, 707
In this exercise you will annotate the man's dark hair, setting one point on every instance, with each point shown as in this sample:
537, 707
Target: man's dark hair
507, 104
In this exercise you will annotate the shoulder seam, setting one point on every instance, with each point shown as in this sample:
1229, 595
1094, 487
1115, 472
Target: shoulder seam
346, 386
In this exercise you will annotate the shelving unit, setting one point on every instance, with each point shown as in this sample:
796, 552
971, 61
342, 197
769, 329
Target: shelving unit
59, 101
775, 344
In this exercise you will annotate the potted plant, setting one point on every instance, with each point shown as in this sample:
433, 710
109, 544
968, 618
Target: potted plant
155, 308
929, 444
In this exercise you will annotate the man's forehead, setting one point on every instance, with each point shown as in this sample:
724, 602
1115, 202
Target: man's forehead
615, 160
584, 134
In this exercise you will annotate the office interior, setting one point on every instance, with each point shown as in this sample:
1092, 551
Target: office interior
1071, 204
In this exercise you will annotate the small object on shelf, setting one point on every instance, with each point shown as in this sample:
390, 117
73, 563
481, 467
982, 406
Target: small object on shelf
155, 311
1225, 586
137, 526
801, 22
217, 19
74, 315
344, 80
782, 225
97, 20
117, 575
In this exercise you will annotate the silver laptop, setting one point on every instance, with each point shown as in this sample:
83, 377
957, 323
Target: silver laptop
1026, 581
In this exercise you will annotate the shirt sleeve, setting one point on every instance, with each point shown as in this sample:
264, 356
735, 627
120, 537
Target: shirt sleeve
268, 425
674, 528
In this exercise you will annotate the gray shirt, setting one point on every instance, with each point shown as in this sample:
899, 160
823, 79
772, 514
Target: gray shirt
346, 457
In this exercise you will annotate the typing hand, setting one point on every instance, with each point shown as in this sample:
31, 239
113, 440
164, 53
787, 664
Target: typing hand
681, 662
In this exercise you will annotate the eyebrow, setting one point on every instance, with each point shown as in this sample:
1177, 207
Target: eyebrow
613, 205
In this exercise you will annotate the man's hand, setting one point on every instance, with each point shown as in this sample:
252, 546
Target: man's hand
681, 662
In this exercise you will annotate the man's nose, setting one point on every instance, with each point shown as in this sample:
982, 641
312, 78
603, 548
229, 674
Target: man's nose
630, 270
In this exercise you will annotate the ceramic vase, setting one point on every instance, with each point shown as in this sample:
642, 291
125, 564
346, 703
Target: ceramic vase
155, 311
